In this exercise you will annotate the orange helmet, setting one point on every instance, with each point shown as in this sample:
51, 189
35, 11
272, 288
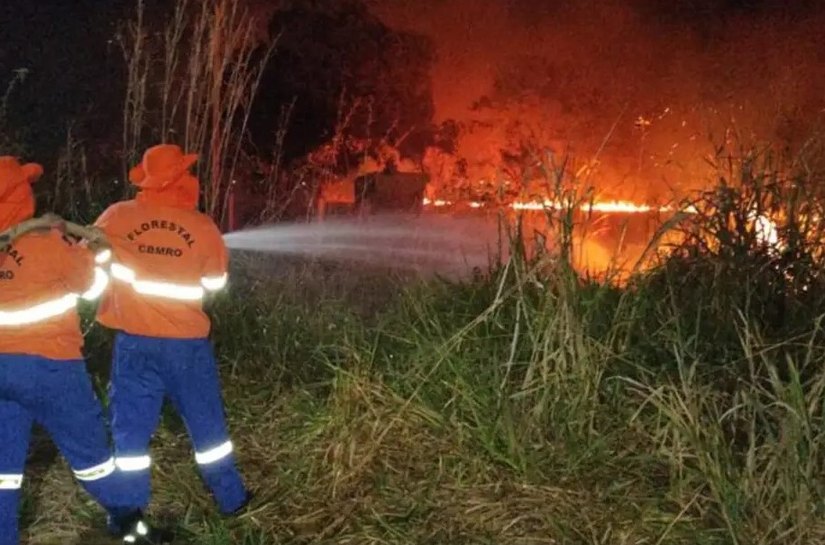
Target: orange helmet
163, 177
16, 195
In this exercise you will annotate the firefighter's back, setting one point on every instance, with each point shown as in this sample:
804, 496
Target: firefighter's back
42, 276
165, 260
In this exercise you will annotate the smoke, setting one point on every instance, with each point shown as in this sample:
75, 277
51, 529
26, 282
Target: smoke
662, 79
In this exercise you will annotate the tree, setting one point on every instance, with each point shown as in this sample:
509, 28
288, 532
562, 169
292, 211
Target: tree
191, 81
341, 65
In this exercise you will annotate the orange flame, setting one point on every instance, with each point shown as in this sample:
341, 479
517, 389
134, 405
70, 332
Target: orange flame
607, 207
766, 229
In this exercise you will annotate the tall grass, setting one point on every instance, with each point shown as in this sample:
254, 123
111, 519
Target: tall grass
192, 83
11, 141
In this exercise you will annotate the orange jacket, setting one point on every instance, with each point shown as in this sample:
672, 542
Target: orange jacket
165, 260
42, 276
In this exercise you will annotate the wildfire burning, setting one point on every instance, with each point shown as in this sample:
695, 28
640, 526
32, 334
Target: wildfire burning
607, 207
595, 253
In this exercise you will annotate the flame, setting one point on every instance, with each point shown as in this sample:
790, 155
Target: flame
766, 228
767, 232
437, 202
597, 258
608, 207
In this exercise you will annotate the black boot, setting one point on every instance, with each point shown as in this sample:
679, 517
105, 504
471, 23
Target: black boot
144, 534
134, 529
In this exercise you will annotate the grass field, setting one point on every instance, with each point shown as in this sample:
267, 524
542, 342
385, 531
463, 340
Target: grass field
524, 406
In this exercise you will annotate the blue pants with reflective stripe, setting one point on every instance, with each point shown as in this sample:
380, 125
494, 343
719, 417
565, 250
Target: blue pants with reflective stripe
148, 369
59, 396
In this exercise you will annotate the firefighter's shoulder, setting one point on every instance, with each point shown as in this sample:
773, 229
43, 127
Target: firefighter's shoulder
47, 245
116, 210
205, 225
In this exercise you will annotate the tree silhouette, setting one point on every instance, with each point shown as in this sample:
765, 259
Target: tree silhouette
330, 57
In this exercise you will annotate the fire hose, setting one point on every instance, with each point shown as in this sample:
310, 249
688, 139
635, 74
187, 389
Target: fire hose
94, 237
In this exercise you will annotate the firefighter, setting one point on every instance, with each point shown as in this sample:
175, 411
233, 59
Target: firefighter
43, 376
167, 258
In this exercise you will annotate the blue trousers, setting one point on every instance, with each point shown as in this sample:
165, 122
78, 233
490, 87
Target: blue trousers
59, 396
146, 371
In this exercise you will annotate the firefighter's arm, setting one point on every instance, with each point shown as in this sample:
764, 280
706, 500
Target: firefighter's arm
80, 272
214, 275
94, 240
98, 240
87, 259
45, 222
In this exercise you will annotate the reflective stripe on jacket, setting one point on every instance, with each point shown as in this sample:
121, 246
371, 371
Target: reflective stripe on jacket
165, 260
42, 278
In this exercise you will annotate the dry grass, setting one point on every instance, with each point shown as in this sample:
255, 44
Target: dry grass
331, 473
10, 141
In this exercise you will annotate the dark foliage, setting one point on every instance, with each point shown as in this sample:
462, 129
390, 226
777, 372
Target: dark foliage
329, 56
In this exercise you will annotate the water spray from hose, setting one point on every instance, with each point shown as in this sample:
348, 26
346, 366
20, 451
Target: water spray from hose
426, 244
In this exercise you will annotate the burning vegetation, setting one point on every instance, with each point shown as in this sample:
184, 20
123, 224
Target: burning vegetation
641, 103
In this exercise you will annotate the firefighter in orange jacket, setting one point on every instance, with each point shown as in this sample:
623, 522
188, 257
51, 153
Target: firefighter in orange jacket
167, 257
43, 376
